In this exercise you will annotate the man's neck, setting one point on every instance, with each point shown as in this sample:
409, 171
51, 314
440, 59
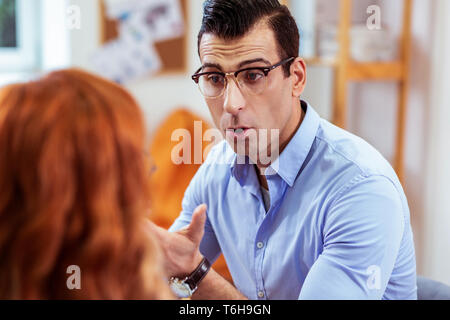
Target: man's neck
260, 169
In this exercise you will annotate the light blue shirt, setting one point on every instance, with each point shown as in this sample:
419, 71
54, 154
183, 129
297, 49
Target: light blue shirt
338, 226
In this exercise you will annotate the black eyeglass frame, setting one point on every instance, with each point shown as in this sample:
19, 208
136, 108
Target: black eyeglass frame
265, 70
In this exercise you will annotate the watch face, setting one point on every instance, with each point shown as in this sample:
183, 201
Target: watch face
180, 288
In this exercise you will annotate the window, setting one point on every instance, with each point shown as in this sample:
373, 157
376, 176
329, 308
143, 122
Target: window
19, 35
8, 30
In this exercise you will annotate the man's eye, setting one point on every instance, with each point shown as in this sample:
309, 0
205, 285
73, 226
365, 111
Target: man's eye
253, 76
215, 78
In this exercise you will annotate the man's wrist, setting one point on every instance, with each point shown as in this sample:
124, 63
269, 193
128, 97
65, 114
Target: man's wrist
198, 274
197, 260
188, 268
185, 288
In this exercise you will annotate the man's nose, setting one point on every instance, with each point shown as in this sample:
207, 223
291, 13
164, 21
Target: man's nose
234, 100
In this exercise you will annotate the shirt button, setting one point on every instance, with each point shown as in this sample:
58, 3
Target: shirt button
260, 245
261, 294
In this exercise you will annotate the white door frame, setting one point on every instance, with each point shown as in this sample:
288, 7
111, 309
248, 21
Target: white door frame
436, 252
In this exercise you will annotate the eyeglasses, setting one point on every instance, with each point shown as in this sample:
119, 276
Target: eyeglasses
251, 80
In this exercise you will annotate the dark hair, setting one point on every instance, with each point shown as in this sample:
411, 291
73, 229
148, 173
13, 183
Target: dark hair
232, 19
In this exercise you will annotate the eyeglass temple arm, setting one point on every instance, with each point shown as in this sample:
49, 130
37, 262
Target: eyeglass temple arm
282, 62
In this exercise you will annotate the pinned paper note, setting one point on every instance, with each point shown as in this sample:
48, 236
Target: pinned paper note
158, 21
117, 9
122, 61
141, 24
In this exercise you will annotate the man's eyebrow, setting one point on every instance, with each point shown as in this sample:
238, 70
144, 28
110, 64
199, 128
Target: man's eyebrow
211, 65
244, 63
241, 65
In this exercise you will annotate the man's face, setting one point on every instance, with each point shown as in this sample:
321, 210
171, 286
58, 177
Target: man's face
270, 110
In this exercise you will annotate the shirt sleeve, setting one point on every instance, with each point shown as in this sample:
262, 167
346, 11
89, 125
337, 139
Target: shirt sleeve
194, 197
362, 233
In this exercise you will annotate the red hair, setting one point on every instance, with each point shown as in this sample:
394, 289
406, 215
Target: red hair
73, 191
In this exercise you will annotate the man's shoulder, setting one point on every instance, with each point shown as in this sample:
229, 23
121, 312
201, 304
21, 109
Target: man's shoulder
353, 152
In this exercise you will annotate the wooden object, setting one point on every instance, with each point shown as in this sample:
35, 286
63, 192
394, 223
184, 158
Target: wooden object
347, 71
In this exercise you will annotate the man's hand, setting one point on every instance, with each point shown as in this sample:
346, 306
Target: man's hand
181, 249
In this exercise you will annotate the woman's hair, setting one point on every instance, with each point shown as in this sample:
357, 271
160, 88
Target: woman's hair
73, 192
233, 19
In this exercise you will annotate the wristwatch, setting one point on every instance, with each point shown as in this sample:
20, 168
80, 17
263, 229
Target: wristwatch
187, 287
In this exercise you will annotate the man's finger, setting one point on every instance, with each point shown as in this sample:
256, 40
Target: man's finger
197, 226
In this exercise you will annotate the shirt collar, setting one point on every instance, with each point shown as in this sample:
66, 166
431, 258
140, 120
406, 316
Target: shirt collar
291, 160
239, 168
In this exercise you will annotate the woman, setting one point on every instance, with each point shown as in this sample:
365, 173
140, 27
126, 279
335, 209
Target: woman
73, 192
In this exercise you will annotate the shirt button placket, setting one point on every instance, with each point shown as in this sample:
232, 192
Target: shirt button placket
260, 245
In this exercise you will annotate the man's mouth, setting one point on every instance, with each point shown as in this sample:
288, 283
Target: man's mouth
237, 133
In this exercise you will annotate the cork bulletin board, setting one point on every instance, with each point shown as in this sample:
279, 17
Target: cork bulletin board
173, 52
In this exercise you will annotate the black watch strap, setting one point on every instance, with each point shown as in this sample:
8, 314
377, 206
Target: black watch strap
198, 274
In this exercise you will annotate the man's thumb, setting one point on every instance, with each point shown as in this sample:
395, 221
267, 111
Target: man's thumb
197, 227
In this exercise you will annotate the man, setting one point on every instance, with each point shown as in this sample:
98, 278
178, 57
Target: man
326, 219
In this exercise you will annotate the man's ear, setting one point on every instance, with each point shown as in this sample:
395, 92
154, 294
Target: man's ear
298, 75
